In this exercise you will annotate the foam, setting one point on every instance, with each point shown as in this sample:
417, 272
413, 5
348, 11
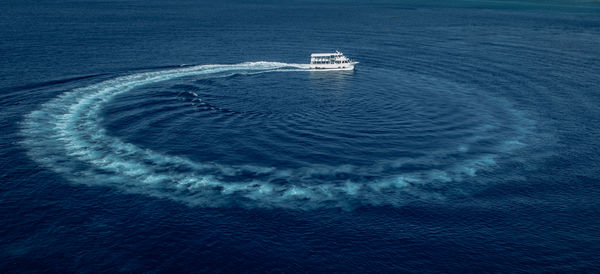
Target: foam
65, 135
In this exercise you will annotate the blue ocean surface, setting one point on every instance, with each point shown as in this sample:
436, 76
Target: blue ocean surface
191, 136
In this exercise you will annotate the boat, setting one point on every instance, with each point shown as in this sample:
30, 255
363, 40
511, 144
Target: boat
331, 61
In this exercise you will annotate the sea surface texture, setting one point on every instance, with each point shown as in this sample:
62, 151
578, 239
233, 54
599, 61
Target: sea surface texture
191, 136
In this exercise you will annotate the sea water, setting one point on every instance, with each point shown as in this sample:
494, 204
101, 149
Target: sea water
191, 136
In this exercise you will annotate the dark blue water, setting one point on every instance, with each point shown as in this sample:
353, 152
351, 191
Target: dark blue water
190, 136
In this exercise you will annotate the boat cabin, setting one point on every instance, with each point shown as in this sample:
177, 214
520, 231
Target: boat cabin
328, 58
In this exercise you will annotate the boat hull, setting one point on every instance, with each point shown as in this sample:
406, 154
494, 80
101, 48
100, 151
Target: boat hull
348, 66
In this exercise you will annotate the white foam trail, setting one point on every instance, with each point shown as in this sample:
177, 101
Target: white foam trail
65, 135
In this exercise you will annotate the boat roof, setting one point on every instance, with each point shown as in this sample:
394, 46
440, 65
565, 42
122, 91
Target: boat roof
324, 54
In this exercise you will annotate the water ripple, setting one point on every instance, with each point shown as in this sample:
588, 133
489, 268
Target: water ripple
66, 135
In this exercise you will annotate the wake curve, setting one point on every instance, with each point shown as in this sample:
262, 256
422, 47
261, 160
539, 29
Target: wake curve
65, 135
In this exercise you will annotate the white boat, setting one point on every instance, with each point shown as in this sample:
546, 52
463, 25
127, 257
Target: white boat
331, 61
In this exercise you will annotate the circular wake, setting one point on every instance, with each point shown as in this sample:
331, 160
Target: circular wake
66, 135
